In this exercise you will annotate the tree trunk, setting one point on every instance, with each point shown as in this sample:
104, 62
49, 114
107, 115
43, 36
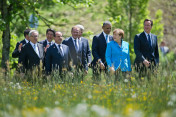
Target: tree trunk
6, 33
130, 22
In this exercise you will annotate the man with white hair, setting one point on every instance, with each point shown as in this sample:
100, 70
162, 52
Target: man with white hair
32, 54
86, 45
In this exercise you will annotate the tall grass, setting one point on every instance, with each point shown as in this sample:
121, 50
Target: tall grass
51, 96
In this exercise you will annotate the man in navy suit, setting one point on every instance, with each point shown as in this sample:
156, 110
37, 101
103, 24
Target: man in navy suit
146, 48
58, 56
99, 45
86, 45
77, 51
50, 34
17, 51
32, 54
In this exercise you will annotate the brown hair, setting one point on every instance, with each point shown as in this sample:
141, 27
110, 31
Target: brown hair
148, 20
120, 32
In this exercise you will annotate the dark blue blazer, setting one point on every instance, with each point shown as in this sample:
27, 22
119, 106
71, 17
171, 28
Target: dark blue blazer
144, 51
44, 42
87, 49
78, 58
16, 53
55, 60
29, 58
99, 48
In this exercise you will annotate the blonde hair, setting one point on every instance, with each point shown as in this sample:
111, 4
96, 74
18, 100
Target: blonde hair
119, 31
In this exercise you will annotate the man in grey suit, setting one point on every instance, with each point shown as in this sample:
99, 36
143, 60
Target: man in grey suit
32, 54
146, 49
86, 45
77, 51
58, 56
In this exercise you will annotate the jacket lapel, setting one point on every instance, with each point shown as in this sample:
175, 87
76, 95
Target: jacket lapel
40, 51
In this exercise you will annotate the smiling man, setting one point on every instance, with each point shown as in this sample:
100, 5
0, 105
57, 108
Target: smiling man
58, 56
32, 54
146, 48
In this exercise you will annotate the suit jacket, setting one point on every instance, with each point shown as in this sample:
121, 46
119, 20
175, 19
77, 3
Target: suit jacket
44, 42
144, 51
79, 58
118, 57
55, 60
16, 53
87, 49
29, 58
99, 48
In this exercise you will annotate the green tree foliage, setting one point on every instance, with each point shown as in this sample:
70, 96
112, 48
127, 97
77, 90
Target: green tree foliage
128, 15
13, 11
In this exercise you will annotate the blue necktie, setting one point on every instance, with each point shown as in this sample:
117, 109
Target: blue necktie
60, 50
76, 46
106, 38
149, 40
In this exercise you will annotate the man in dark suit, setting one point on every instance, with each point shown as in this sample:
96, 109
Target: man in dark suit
99, 45
50, 34
17, 51
57, 56
146, 48
77, 50
86, 45
32, 54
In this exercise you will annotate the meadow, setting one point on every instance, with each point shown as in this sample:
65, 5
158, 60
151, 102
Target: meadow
51, 97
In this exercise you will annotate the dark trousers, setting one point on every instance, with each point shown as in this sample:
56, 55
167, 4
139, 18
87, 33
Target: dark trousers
97, 72
145, 71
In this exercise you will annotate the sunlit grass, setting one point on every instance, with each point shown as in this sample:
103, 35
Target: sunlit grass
50, 96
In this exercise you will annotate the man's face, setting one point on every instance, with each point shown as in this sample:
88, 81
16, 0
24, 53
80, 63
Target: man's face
58, 38
50, 36
80, 33
75, 33
34, 37
107, 29
27, 37
147, 26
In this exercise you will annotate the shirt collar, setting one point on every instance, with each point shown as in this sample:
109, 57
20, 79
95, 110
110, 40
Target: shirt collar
32, 44
74, 39
105, 34
48, 41
147, 34
26, 40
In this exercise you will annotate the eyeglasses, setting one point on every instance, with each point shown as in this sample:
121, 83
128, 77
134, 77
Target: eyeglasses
35, 36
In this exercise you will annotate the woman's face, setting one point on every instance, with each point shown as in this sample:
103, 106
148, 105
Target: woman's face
117, 37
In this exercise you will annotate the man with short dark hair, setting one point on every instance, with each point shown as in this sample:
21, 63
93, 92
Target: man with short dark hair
50, 34
99, 45
146, 48
58, 56
17, 51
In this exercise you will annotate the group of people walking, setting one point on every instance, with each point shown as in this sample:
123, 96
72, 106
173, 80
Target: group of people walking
110, 53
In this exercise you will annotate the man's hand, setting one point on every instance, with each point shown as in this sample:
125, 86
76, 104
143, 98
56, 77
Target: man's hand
47, 47
102, 66
112, 71
86, 72
146, 63
19, 47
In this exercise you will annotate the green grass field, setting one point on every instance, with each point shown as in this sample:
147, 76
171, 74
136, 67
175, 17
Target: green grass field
104, 98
